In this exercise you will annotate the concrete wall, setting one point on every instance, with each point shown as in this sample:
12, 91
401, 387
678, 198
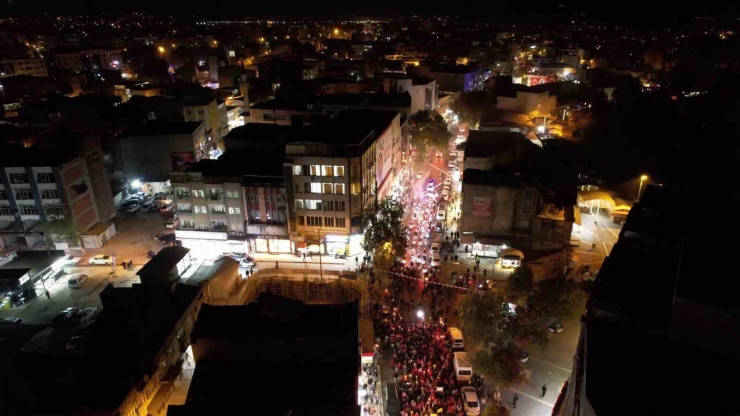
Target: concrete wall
511, 209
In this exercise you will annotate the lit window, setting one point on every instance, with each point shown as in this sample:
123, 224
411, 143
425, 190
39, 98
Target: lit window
315, 170
338, 170
327, 170
339, 188
297, 171
356, 188
233, 210
315, 187
328, 188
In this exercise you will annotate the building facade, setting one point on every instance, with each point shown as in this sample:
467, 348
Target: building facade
210, 210
328, 184
423, 91
92, 59
266, 211
214, 114
35, 67
74, 186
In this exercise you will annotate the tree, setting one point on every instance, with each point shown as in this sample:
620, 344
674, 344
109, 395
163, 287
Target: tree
384, 229
502, 364
60, 230
185, 73
428, 131
556, 298
470, 106
521, 281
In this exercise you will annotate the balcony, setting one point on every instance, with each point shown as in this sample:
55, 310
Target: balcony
183, 195
217, 227
214, 212
185, 226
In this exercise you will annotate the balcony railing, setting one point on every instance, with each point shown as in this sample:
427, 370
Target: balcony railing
187, 226
184, 195
216, 197
219, 228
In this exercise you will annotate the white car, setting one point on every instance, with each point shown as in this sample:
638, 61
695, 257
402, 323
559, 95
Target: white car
133, 208
441, 215
434, 248
436, 261
76, 280
171, 223
470, 401
448, 181
452, 165
430, 186
101, 259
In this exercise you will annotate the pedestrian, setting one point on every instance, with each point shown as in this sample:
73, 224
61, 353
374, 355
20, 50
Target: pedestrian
131, 265
593, 247
484, 272
516, 399
48, 296
276, 265
357, 260
544, 390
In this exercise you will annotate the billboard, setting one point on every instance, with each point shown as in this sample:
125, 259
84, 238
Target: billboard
383, 159
482, 206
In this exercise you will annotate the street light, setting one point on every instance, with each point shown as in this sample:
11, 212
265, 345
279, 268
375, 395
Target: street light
420, 314
161, 51
643, 178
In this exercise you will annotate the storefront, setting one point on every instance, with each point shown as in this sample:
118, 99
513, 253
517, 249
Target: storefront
269, 244
207, 245
336, 244
483, 247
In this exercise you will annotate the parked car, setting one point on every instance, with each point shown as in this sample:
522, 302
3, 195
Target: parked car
167, 239
14, 299
163, 199
147, 206
12, 320
85, 315
166, 208
133, 208
434, 248
470, 401
76, 280
101, 259
438, 227
436, 261
171, 222
246, 262
430, 186
65, 319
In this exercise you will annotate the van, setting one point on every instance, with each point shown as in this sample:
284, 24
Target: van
441, 215
463, 367
457, 338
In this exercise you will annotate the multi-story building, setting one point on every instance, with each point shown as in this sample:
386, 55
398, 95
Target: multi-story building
90, 59
68, 180
214, 114
226, 206
308, 110
152, 150
331, 175
456, 78
211, 210
35, 67
423, 91
674, 317
146, 327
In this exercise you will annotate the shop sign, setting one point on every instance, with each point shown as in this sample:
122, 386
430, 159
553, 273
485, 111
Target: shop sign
482, 206
200, 235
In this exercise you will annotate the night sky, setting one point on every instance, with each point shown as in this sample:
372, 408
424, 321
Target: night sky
622, 12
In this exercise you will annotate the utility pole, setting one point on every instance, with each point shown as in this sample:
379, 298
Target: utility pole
321, 266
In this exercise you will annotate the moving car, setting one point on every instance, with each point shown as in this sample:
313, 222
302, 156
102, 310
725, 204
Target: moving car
101, 259
430, 185
452, 165
441, 215
470, 401
76, 280
438, 227
439, 153
445, 193
555, 327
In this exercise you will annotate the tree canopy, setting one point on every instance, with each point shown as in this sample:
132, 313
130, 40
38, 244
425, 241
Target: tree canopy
384, 229
61, 230
471, 106
556, 298
428, 131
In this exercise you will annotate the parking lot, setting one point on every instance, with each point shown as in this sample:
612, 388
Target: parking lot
136, 236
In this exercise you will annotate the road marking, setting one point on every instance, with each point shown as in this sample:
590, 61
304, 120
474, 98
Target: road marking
550, 364
613, 233
583, 229
532, 397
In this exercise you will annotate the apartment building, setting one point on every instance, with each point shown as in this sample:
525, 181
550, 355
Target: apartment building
455, 78
423, 91
35, 67
90, 59
146, 328
333, 173
215, 116
210, 208
66, 180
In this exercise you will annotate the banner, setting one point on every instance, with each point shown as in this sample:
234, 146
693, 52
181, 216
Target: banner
482, 206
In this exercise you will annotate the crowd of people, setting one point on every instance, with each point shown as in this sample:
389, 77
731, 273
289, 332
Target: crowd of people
372, 400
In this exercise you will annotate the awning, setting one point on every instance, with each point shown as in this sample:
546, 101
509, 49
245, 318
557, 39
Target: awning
491, 241
512, 252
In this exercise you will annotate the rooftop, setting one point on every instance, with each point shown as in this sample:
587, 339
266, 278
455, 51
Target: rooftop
315, 344
33, 261
677, 325
493, 177
163, 262
164, 128
484, 144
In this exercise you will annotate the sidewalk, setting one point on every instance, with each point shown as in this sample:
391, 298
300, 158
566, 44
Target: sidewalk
294, 259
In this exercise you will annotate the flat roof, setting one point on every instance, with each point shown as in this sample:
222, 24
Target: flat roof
164, 128
164, 261
483, 144
34, 261
12, 274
